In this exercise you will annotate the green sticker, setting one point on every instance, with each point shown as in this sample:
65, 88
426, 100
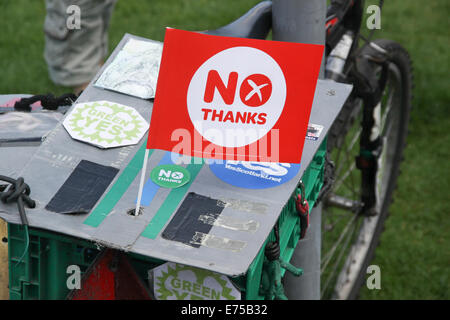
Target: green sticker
105, 124
173, 281
170, 176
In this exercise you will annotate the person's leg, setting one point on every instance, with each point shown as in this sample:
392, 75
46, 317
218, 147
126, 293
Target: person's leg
107, 10
107, 13
74, 56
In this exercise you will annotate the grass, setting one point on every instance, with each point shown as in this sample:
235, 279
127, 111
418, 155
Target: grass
414, 252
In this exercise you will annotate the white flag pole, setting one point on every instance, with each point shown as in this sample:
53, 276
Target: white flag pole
141, 183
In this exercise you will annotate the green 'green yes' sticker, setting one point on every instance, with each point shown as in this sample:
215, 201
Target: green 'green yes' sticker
170, 176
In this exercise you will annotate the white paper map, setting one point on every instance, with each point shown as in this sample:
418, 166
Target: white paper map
134, 71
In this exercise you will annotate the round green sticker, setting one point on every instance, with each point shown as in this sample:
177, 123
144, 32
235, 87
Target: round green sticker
170, 176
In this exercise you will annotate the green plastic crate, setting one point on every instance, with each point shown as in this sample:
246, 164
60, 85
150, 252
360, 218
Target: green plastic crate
41, 273
289, 225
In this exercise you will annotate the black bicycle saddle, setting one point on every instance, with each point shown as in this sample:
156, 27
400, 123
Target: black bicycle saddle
256, 23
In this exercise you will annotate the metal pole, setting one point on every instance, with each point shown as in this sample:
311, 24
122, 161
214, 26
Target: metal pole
299, 21
303, 21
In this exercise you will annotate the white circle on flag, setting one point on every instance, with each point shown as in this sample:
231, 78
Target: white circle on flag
259, 96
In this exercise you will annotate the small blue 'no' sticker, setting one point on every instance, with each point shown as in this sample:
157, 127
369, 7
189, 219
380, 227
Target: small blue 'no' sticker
255, 175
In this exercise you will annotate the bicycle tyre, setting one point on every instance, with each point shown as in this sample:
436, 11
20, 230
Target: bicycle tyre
353, 271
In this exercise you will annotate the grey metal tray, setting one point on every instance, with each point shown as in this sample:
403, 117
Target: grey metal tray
224, 250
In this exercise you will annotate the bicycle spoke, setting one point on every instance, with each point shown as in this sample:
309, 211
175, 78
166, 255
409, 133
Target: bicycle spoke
339, 258
329, 255
339, 218
354, 140
386, 112
348, 149
346, 174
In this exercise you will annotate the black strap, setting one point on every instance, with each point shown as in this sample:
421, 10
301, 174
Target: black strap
49, 101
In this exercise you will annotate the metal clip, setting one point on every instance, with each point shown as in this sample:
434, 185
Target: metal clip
302, 192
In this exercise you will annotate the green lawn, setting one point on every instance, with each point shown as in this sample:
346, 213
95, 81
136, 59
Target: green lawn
414, 254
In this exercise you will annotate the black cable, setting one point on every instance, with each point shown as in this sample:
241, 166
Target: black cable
18, 192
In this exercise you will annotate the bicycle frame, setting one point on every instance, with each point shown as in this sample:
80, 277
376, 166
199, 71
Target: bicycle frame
342, 23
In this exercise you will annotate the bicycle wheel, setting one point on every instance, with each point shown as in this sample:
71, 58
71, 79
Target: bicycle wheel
349, 237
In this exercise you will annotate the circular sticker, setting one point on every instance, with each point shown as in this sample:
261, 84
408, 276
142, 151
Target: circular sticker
255, 175
170, 176
238, 92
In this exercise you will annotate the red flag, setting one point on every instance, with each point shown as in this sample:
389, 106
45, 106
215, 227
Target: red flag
233, 98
